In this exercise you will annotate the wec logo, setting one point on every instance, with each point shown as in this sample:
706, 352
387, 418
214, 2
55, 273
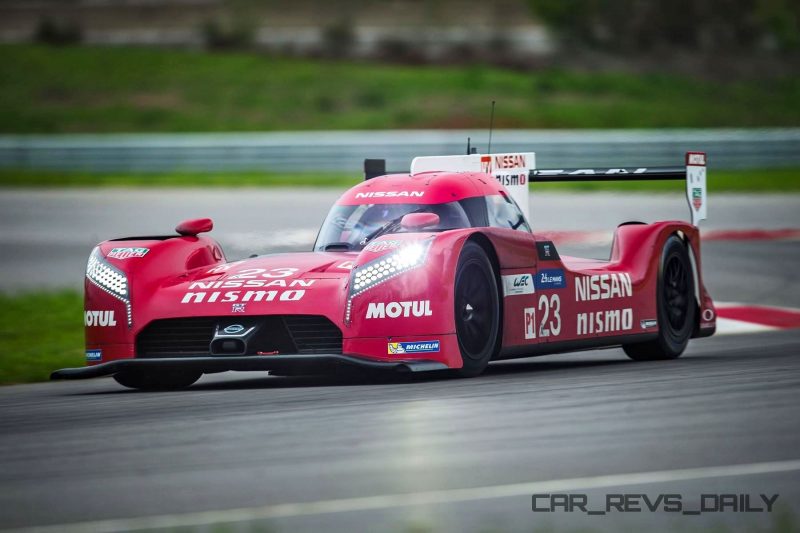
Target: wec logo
399, 309
518, 284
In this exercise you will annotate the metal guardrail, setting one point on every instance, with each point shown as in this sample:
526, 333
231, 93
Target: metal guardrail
346, 150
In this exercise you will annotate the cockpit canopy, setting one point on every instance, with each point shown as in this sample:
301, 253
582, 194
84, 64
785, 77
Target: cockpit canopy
351, 227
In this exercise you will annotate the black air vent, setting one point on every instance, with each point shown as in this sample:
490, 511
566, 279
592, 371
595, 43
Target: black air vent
286, 334
314, 334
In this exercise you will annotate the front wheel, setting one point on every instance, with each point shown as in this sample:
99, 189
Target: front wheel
477, 310
159, 380
675, 304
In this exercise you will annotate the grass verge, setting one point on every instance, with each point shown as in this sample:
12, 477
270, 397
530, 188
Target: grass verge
117, 89
39, 333
755, 181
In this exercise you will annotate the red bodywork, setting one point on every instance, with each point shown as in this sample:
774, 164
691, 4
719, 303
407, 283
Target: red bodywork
572, 303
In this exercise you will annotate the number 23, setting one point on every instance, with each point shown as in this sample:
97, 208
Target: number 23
554, 325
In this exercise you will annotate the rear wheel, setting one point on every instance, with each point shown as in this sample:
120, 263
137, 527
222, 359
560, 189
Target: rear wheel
477, 310
676, 306
156, 380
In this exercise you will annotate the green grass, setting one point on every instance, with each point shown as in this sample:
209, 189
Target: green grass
758, 181
96, 89
39, 333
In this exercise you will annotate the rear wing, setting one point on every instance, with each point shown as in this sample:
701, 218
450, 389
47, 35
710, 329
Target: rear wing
694, 174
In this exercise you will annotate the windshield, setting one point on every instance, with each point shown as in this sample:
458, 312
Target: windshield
351, 227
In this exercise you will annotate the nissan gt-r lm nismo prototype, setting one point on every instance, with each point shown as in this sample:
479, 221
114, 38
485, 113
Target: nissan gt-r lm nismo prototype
436, 269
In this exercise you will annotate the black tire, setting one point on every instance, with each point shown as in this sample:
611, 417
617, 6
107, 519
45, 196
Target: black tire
156, 380
676, 306
477, 310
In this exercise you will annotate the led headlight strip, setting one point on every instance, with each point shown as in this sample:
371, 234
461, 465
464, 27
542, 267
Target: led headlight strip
109, 279
386, 267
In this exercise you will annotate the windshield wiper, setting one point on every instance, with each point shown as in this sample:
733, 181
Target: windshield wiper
339, 245
386, 228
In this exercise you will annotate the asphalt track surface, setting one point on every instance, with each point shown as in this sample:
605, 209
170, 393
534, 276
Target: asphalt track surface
254, 452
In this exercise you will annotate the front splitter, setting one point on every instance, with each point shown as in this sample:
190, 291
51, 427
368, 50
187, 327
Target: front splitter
301, 364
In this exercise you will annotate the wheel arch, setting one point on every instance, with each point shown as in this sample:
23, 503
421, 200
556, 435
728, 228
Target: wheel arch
488, 247
698, 295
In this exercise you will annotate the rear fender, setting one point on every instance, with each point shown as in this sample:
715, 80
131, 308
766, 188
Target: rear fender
636, 245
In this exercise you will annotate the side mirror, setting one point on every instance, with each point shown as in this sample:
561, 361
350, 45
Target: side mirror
191, 227
418, 221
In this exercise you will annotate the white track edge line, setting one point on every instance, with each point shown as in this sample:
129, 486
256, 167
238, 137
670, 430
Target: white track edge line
387, 501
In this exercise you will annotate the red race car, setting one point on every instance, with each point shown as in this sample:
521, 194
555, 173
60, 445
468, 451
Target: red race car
436, 269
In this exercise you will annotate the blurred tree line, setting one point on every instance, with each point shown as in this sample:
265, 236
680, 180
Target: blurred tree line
633, 26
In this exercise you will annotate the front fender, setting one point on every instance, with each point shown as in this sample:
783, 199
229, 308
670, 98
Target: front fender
111, 322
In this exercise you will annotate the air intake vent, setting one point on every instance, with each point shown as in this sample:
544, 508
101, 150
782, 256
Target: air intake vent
287, 334
314, 334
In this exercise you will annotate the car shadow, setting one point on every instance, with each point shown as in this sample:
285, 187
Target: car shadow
358, 378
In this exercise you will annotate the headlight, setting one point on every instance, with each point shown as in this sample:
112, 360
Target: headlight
385, 268
109, 279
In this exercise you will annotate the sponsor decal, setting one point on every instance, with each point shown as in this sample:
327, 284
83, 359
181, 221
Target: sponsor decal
395, 348
390, 194
99, 318
234, 282
530, 322
589, 171
503, 161
605, 321
551, 279
547, 251
517, 284
648, 323
416, 308
233, 329
238, 308
708, 315
492, 163
242, 296
94, 355
696, 159
382, 246
125, 253
697, 198
603, 286
511, 179
197, 289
